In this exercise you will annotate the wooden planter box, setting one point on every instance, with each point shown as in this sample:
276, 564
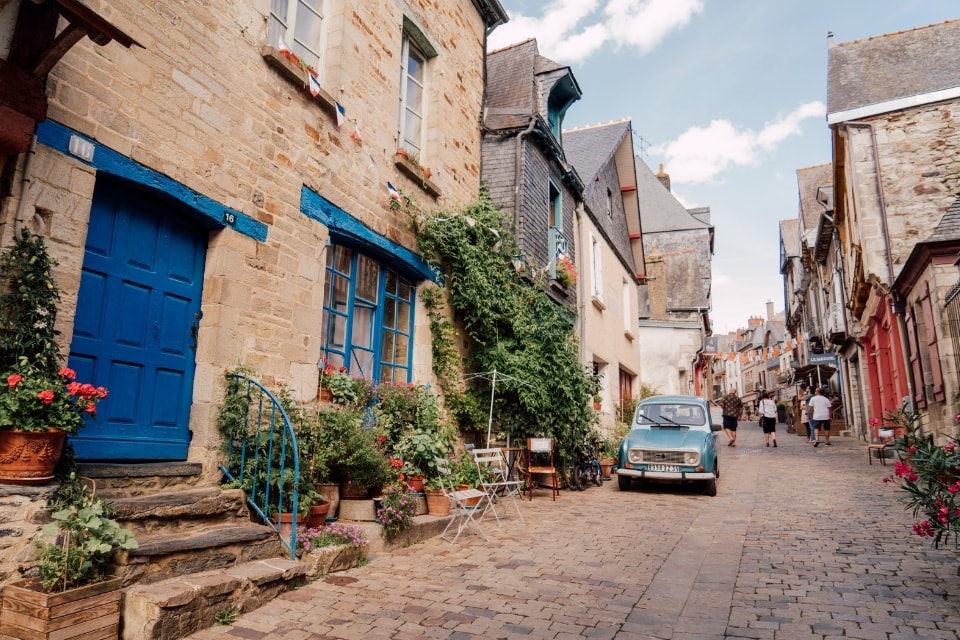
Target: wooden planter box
91, 612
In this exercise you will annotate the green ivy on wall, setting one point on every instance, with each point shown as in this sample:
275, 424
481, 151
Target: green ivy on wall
510, 326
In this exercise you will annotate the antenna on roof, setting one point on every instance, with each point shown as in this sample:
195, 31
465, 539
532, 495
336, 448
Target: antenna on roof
643, 143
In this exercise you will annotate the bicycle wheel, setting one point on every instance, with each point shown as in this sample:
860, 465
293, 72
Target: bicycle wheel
597, 473
576, 477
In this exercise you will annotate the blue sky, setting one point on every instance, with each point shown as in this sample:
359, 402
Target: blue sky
729, 95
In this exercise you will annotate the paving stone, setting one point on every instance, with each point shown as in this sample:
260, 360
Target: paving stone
799, 544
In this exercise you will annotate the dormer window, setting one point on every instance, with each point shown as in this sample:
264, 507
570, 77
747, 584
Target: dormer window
563, 94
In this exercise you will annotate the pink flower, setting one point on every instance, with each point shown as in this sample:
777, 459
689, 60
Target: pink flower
69, 374
954, 488
13, 380
874, 422
46, 396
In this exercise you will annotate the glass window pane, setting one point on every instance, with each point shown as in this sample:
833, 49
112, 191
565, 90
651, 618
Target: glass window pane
361, 363
308, 29
386, 374
334, 359
390, 313
362, 326
368, 279
415, 66
403, 317
341, 290
337, 331
406, 290
412, 129
386, 350
391, 286
343, 257
414, 97
402, 353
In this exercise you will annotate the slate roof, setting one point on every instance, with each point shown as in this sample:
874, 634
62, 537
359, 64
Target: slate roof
892, 66
948, 229
590, 148
809, 180
512, 84
659, 209
790, 237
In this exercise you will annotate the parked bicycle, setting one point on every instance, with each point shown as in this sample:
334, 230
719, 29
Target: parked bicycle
586, 465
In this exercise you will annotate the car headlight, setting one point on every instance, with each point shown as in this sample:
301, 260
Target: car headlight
691, 458
636, 457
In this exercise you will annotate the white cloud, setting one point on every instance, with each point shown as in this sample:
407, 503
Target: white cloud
699, 154
572, 30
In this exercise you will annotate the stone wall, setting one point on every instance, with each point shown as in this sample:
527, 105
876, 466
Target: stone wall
23, 512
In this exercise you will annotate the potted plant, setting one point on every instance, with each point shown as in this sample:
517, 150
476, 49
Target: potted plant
40, 401
37, 412
437, 502
74, 587
597, 401
356, 462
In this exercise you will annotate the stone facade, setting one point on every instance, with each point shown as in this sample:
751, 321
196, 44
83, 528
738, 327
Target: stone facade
207, 118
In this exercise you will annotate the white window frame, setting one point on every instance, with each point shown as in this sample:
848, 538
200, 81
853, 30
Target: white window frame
627, 329
284, 26
408, 50
596, 268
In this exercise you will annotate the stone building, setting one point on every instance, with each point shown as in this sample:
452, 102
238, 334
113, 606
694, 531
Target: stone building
608, 235
214, 180
524, 164
675, 304
891, 103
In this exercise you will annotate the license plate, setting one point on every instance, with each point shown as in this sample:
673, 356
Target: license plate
663, 467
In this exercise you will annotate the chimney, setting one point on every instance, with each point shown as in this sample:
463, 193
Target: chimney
769, 309
664, 178
754, 321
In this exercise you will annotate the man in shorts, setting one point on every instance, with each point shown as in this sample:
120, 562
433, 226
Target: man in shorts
732, 408
820, 416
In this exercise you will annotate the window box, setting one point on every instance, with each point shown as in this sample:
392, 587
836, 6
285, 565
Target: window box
297, 76
412, 170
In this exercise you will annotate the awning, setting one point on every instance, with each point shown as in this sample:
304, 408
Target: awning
814, 374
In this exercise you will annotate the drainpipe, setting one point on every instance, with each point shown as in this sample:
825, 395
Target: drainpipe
581, 298
898, 305
25, 182
518, 229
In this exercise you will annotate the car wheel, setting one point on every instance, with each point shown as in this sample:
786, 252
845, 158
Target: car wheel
623, 482
716, 467
711, 487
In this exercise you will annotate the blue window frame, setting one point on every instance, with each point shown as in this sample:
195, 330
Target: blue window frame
367, 317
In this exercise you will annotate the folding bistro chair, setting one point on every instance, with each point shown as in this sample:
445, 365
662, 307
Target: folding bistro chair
462, 514
540, 463
494, 480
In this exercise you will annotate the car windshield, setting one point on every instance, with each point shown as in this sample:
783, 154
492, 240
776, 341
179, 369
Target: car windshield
687, 415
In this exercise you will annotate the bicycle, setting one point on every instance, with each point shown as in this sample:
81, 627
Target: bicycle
586, 465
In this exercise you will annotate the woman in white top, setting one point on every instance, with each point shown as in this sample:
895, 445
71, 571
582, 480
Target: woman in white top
768, 418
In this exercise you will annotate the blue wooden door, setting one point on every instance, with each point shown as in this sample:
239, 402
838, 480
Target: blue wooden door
137, 317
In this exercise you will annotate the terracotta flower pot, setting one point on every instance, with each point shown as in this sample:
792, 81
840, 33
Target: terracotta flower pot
317, 516
437, 503
415, 483
28, 457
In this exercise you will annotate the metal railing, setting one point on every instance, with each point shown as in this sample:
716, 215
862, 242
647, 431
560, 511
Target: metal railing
260, 457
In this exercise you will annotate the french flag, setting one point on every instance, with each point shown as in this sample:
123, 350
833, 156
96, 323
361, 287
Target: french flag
393, 192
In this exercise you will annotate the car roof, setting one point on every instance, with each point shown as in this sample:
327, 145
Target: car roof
674, 400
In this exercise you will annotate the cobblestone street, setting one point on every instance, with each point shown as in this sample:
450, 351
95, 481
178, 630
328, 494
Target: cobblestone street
800, 543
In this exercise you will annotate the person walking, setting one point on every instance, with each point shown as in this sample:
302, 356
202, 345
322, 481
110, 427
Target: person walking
767, 410
819, 416
732, 410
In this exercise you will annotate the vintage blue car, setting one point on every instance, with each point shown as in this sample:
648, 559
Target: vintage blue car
671, 438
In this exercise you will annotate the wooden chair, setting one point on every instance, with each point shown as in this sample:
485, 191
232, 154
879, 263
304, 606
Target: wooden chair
540, 463
886, 442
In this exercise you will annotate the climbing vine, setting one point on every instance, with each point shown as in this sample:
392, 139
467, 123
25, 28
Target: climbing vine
510, 324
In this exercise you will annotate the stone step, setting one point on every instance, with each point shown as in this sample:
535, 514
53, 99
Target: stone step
164, 555
174, 511
177, 607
